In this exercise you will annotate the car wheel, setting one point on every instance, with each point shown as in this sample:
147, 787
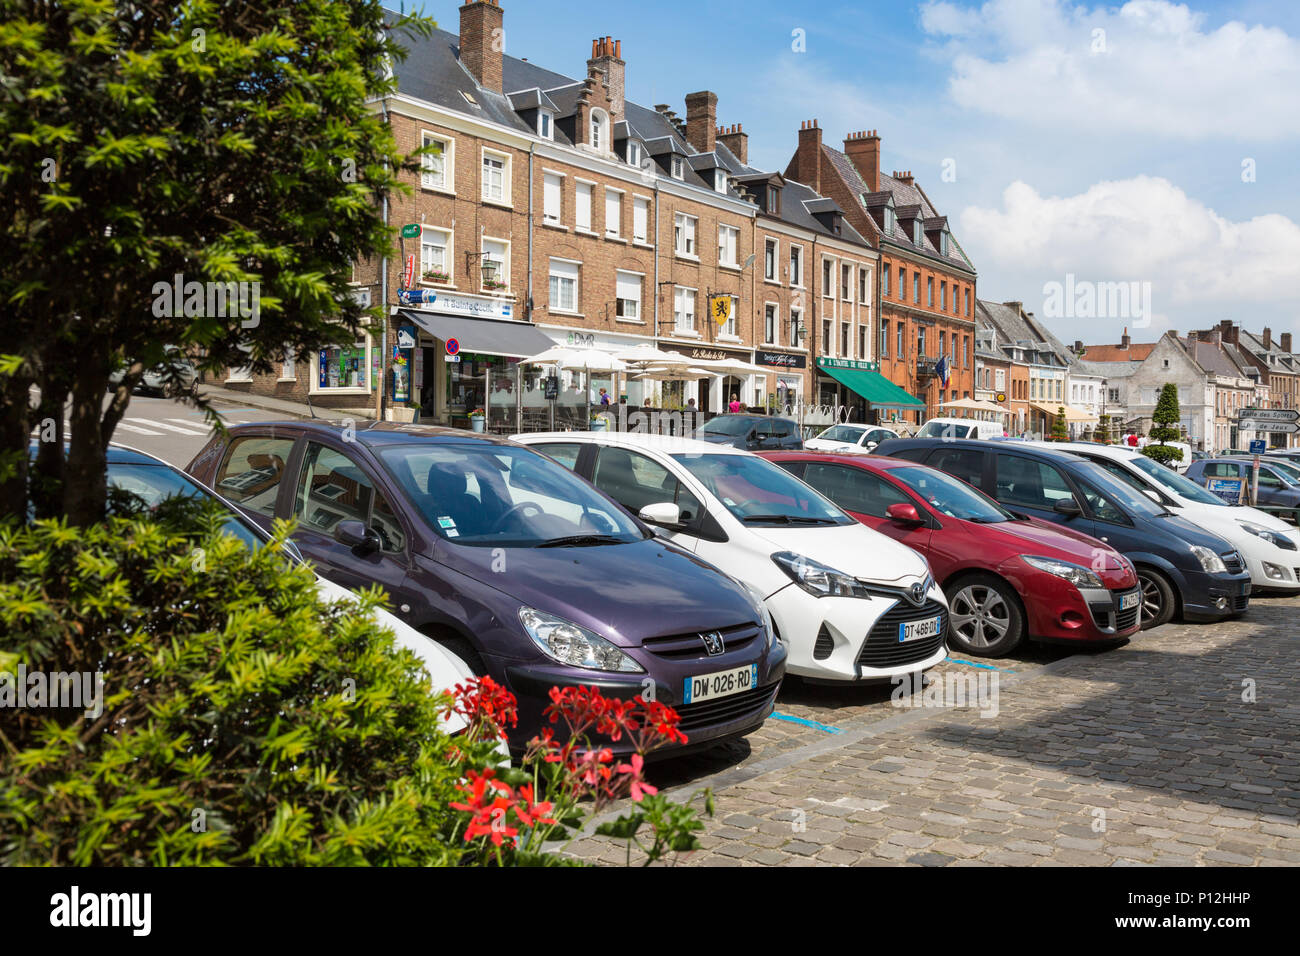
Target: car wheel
465, 651
1157, 605
984, 616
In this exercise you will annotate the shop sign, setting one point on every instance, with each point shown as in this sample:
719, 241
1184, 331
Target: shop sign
848, 363
781, 359
476, 307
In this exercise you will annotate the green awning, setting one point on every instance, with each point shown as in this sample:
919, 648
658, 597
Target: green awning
874, 387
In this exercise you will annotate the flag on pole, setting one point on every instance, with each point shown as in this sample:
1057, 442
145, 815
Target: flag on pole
941, 369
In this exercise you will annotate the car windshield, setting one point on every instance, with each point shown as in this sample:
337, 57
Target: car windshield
949, 496
759, 492
848, 433
944, 430
1110, 487
1290, 473
503, 496
134, 487
727, 425
1173, 481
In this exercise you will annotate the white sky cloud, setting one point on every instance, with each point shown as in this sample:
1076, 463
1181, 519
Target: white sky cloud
1201, 266
1148, 67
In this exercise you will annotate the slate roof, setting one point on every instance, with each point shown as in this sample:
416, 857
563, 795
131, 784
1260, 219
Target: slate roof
1276, 359
1211, 357
1014, 331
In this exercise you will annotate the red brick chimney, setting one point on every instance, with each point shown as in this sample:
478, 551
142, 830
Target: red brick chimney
806, 167
1124, 340
482, 40
736, 140
607, 57
1228, 331
1268, 337
904, 177
1285, 341
702, 120
863, 151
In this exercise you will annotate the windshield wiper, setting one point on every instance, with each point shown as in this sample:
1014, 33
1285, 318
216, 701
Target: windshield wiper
582, 541
787, 519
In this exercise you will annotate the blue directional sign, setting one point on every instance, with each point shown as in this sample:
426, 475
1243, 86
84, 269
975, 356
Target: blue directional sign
1258, 447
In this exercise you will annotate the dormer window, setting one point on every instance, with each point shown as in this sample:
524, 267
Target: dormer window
918, 233
773, 200
943, 242
544, 124
678, 167
634, 154
891, 219
720, 180
599, 130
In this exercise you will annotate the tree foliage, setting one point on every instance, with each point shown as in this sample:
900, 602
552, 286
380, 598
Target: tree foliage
220, 142
1164, 427
1060, 429
244, 721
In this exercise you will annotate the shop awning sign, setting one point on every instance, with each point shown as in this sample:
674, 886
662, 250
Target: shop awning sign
411, 231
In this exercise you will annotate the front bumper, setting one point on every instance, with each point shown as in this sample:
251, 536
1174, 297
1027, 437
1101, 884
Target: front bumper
704, 723
855, 639
1214, 597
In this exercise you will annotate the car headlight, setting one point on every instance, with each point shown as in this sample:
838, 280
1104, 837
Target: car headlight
1268, 534
760, 607
1076, 574
572, 644
818, 579
1211, 563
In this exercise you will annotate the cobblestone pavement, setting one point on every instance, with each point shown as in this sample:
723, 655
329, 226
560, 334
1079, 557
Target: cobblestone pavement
1179, 748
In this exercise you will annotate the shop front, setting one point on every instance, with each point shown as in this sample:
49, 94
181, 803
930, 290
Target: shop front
714, 394
791, 370
459, 356
864, 394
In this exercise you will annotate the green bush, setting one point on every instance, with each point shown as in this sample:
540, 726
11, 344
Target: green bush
1162, 453
244, 720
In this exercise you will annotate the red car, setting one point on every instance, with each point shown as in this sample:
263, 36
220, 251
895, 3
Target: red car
1007, 578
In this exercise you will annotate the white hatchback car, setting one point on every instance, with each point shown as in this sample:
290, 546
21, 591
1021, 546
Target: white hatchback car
847, 602
850, 438
1270, 545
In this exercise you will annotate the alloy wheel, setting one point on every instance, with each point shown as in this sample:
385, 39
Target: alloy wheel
979, 615
1152, 601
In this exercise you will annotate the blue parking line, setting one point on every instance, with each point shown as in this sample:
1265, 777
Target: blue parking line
826, 728
986, 667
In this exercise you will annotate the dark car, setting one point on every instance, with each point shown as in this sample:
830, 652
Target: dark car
1180, 567
518, 566
751, 432
1279, 489
1006, 578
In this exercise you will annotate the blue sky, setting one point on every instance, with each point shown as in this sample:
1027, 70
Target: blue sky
1149, 142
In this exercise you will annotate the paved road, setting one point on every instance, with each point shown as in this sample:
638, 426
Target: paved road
1176, 749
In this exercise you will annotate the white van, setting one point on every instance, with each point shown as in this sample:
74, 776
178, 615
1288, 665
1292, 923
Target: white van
977, 428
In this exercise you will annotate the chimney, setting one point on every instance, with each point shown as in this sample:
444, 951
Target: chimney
1124, 340
1286, 341
904, 177
1018, 306
702, 120
607, 57
863, 151
1228, 331
481, 41
736, 140
1268, 337
806, 167
1078, 347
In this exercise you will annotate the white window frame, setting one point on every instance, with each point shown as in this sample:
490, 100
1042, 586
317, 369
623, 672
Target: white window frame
682, 295
611, 195
363, 389
504, 271
720, 181
581, 187
775, 337
449, 257
796, 253
506, 163
448, 158
598, 134
549, 176
575, 279
641, 203
728, 329
546, 124
634, 153
733, 234
775, 260
685, 233
622, 277
677, 168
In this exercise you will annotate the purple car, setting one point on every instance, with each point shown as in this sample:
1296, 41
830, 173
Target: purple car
514, 563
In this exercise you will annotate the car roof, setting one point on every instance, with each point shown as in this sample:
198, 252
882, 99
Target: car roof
668, 444
373, 432
882, 462
121, 455
1085, 448
1020, 448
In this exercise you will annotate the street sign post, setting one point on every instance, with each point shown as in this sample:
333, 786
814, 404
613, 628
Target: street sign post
1269, 414
1268, 425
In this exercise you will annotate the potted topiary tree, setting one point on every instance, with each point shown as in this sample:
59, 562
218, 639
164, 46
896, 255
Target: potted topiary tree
1164, 428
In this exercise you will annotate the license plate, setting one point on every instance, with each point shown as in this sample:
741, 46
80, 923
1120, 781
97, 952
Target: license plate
919, 630
720, 684
1130, 601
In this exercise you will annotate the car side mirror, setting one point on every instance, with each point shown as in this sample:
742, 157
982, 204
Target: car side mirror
871, 445
1151, 493
665, 514
355, 535
1068, 507
903, 513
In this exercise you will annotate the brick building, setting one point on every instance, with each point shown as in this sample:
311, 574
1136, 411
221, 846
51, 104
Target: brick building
555, 211
927, 284
1276, 367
